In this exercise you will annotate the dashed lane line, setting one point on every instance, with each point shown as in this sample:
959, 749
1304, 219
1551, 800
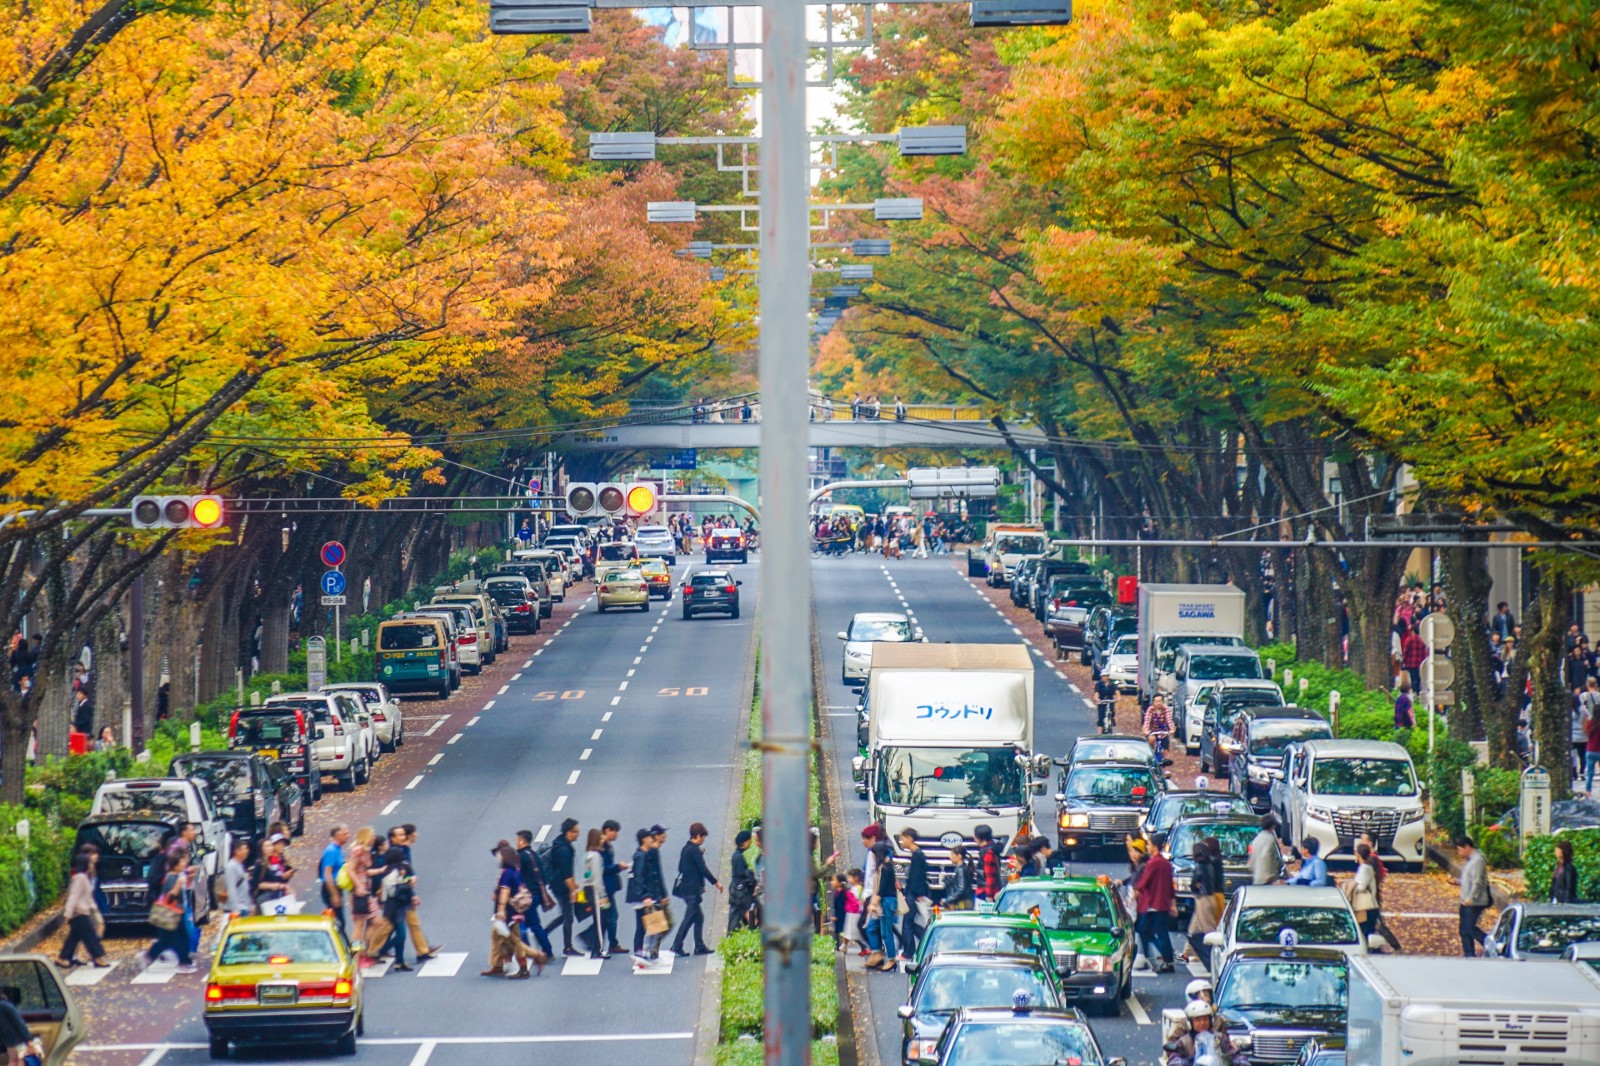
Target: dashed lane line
390, 808
561, 801
606, 717
502, 691
528, 663
615, 700
415, 781
586, 753
473, 720
572, 778
489, 706
544, 831
1136, 1008
637, 659
517, 676
455, 738
435, 760
434, 728
630, 674
596, 734
624, 686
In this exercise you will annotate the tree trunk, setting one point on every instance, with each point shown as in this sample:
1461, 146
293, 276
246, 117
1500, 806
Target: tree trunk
1479, 712
16, 721
1552, 720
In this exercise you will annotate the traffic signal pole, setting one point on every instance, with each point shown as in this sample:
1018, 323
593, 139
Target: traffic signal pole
786, 555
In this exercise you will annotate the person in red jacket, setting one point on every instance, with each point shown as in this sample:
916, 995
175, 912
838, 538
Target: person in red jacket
1413, 653
1155, 901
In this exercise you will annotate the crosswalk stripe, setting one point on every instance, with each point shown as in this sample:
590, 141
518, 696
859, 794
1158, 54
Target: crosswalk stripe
444, 964
89, 975
581, 966
158, 973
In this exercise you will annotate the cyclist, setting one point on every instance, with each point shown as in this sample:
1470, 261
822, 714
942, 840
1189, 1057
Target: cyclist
1105, 694
1158, 727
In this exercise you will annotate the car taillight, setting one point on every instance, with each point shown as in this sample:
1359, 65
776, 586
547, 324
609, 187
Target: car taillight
605, 588
730, 589
222, 993
378, 716
338, 729
469, 638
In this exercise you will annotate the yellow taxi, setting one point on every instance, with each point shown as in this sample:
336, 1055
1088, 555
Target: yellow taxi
657, 577
619, 586
283, 979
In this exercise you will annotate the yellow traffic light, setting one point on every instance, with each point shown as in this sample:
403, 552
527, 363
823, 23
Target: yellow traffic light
207, 512
641, 500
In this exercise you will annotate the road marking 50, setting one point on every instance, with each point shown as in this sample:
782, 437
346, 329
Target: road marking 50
696, 690
569, 694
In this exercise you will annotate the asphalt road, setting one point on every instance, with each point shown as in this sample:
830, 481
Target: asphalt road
948, 608
620, 716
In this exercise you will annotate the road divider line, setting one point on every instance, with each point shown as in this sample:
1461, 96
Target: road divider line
615, 700
435, 760
1137, 1010
637, 659
544, 831
596, 734
586, 753
606, 717
473, 720
561, 801
434, 728
424, 1053
489, 705
630, 674
643, 648
624, 686
390, 808
502, 691
529, 662
572, 778
455, 738
517, 676
415, 781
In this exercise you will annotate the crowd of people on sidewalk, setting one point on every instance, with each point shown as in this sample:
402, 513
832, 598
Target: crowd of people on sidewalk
892, 536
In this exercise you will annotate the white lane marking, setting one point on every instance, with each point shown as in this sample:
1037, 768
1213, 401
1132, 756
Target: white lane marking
648, 639
434, 728
435, 760
586, 753
444, 964
630, 674
473, 720
157, 973
662, 965
390, 808
155, 1056
455, 738
89, 975
539, 652
380, 968
606, 717
517, 676
502, 691
544, 831
529, 662
1073, 687
572, 778
624, 686
415, 781
643, 648
424, 1053
1137, 1010
638, 659
597, 733
561, 801
409, 1041
615, 700
1017, 631
840, 714
581, 966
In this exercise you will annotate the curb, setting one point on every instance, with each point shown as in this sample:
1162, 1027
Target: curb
1497, 895
848, 1042
36, 936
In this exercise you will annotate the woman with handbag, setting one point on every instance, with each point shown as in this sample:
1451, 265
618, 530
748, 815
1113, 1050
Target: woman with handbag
83, 916
512, 901
357, 874
647, 894
1362, 891
1207, 885
168, 914
592, 889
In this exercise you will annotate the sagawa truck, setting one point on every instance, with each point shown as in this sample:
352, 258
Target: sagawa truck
950, 744
1169, 616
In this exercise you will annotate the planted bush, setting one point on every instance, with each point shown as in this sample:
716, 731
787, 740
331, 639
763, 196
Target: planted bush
1539, 863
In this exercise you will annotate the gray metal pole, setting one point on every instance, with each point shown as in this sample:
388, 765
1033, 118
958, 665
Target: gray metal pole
133, 737
786, 561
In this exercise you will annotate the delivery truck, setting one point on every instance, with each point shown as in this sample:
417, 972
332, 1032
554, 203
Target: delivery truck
950, 745
1418, 1010
1171, 616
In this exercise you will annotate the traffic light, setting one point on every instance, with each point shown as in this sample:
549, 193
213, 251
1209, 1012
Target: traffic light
178, 512
580, 499
610, 500
641, 498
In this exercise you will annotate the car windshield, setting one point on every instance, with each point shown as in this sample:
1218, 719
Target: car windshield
127, 840
651, 531
166, 800
1169, 809
1112, 784
255, 947
879, 629
1089, 749
508, 595
408, 638
1126, 646
1549, 934
1271, 736
1315, 925
621, 574
1030, 1043
617, 550
1019, 544
265, 730
705, 581
1212, 667
228, 779
1072, 910
1350, 776
991, 939
1235, 839
1234, 702
950, 777
946, 988
1278, 984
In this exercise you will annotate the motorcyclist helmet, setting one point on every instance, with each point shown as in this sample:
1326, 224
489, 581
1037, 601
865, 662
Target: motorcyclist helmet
1197, 1008
1199, 988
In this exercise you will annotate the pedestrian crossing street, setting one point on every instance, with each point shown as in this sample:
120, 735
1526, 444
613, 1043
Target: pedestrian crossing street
445, 964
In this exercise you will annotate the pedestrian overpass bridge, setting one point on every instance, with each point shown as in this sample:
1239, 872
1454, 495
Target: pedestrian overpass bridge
719, 426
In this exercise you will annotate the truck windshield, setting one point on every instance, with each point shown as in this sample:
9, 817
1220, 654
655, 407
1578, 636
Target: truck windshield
1213, 667
1019, 544
950, 777
1363, 777
1167, 647
1272, 736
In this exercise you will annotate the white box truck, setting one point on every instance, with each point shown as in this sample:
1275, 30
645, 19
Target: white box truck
1169, 616
950, 744
1417, 1010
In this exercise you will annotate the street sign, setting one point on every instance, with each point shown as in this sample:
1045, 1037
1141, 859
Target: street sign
685, 459
333, 601
534, 485
316, 663
1437, 631
1534, 817
333, 554
333, 583
1441, 670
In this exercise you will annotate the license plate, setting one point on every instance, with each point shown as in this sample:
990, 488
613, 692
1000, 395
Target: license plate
277, 993
270, 753
713, 595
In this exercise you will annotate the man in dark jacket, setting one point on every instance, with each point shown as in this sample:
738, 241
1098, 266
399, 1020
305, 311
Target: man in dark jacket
533, 878
647, 887
611, 876
918, 896
693, 877
563, 884
741, 886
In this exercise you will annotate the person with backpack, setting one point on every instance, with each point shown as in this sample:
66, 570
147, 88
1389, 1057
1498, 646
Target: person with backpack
512, 901
693, 877
560, 875
533, 877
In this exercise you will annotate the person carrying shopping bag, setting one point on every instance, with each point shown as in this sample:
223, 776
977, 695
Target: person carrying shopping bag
512, 901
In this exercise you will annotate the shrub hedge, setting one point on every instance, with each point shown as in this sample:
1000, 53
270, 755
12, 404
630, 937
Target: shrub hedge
1539, 863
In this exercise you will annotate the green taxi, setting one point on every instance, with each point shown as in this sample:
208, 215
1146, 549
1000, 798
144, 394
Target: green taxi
280, 980
1082, 915
985, 933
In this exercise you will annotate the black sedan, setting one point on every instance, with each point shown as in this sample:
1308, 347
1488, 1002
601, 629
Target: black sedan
1280, 999
251, 790
710, 590
128, 844
1233, 834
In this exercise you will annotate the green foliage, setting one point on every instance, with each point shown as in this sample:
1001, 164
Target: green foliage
49, 852
1497, 791
1443, 774
1539, 863
1499, 848
742, 977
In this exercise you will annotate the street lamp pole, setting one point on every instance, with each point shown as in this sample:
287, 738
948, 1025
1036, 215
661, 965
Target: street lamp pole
786, 693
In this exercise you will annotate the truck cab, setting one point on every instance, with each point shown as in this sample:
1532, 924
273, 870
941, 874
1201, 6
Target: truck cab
1335, 790
1003, 549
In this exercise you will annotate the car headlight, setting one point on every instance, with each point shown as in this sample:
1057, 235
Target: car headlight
1182, 884
1074, 821
1228, 744
1412, 816
1321, 814
1094, 964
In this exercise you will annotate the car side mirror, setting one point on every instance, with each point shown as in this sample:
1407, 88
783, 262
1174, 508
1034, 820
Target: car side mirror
842, 636
1116, 932
1038, 787
1376, 942
1213, 939
905, 1011
1061, 797
738, 582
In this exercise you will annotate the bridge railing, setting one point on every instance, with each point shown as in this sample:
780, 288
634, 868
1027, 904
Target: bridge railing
728, 407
